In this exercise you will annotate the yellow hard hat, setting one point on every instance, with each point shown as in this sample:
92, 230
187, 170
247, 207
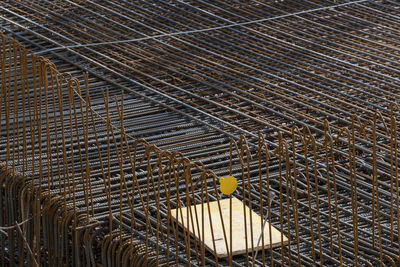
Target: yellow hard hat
228, 185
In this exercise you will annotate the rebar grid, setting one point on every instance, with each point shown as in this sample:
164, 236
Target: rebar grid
297, 82
299, 70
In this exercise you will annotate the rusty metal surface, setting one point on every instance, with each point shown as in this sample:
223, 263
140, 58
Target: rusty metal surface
195, 74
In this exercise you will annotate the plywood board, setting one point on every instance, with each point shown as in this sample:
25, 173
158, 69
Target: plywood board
212, 221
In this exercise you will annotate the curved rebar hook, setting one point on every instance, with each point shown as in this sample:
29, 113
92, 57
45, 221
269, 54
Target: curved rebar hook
362, 126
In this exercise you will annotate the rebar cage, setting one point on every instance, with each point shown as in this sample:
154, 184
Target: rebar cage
78, 189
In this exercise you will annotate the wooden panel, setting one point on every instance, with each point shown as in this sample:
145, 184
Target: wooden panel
212, 221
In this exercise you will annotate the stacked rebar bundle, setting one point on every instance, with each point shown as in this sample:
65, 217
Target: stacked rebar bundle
297, 99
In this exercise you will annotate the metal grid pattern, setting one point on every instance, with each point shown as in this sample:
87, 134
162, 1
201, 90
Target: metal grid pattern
238, 69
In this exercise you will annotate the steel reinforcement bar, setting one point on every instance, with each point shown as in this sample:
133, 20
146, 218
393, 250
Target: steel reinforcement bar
80, 187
